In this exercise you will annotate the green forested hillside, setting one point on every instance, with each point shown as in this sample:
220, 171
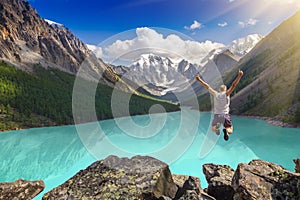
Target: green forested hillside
44, 97
270, 86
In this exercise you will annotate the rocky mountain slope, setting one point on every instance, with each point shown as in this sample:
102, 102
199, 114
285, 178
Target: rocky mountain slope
27, 39
270, 86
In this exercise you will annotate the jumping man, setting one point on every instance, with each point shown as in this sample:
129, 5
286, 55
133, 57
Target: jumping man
221, 105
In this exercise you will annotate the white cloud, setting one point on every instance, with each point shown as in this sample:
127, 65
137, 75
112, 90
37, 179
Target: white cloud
195, 25
241, 24
252, 22
96, 50
150, 41
223, 24
249, 22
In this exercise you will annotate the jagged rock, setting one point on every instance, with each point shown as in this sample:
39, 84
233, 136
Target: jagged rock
188, 187
219, 180
21, 189
205, 196
264, 180
140, 177
186, 184
190, 195
297, 167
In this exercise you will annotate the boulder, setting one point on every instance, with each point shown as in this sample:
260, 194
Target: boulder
141, 177
219, 179
297, 167
188, 187
21, 189
264, 180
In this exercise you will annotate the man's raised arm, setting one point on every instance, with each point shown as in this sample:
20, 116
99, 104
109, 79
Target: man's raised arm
235, 82
212, 91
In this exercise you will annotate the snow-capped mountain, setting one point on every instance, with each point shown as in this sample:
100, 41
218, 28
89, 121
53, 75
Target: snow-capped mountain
159, 75
242, 46
238, 48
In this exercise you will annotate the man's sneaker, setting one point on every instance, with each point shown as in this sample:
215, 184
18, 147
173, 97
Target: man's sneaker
225, 134
218, 125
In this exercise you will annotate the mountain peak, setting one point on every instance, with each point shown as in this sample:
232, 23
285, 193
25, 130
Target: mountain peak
150, 59
242, 46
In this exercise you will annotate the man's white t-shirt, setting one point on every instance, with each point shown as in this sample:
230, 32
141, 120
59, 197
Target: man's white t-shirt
221, 103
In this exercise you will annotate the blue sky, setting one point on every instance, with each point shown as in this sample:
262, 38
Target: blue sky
217, 20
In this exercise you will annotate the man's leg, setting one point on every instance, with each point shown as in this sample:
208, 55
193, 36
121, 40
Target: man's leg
215, 125
228, 126
229, 129
216, 128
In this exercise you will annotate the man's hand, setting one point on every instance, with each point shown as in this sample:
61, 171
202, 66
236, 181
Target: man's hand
198, 77
240, 73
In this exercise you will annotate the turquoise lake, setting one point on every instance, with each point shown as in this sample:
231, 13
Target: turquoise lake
54, 154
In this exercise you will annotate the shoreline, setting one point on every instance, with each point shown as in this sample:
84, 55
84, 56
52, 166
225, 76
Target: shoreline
271, 121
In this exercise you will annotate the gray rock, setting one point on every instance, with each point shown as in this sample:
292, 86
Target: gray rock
190, 195
205, 196
188, 187
264, 180
21, 189
187, 184
140, 177
219, 179
297, 167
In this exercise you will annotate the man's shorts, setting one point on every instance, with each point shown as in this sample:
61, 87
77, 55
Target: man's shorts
224, 119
